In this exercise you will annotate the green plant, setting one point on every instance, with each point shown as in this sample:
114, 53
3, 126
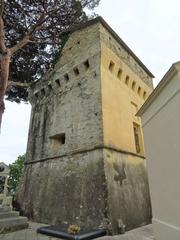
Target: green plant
16, 170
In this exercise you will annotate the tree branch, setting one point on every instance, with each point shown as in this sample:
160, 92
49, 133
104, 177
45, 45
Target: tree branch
26, 38
34, 28
18, 84
20, 44
1, 7
2, 36
38, 24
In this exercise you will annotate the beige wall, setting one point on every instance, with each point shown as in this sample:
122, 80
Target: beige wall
119, 101
161, 123
126, 175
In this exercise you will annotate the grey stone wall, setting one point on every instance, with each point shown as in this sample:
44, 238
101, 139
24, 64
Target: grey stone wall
70, 189
71, 106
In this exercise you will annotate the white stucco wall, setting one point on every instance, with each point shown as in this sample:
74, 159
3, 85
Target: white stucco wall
161, 128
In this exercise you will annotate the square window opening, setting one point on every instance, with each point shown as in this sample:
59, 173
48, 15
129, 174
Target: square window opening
145, 95
119, 75
76, 71
139, 91
66, 77
59, 139
58, 82
43, 91
127, 80
111, 66
133, 85
36, 94
49, 87
86, 64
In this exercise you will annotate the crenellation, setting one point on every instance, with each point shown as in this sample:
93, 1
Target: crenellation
125, 56
61, 81
126, 79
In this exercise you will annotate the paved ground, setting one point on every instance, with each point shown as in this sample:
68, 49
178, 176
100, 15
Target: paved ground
143, 233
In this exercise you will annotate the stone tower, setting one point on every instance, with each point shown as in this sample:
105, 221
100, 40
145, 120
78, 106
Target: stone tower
85, 156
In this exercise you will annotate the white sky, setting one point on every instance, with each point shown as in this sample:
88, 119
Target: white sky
150, 28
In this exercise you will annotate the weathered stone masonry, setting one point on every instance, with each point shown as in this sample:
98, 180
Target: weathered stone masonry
73, 173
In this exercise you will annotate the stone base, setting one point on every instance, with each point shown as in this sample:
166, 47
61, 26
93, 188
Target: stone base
96, 189
11, 221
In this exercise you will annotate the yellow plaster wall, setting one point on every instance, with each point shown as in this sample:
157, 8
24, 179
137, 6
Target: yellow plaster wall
119, 101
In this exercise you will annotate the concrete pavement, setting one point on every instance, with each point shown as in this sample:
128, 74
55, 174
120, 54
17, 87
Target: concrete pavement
142, 233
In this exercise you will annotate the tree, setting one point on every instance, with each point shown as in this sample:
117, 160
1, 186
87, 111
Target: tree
30, 37
16, 170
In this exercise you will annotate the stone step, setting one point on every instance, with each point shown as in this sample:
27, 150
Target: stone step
9, 214
5, 209
13, 223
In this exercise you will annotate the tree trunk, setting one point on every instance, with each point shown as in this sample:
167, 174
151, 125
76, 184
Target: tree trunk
5, 62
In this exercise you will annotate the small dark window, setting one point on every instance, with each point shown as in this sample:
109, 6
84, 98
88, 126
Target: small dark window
59, 139
111, 66
86, 64
145, 95
49, 87
139, 91
62, 138
58, 82
137, 137
133, 85
36, 94
119, 74
76, 71
66, 77
43, 91
127, 80
78, 42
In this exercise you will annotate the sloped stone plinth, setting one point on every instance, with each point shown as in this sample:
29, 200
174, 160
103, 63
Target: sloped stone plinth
10, 220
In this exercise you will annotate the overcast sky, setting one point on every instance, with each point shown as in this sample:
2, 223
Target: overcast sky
149, 28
